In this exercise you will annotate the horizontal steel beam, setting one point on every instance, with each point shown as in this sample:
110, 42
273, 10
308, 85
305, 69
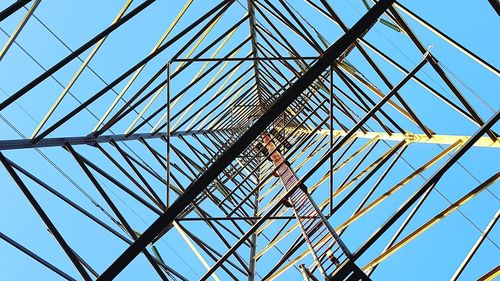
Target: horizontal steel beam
411, 138
91, 140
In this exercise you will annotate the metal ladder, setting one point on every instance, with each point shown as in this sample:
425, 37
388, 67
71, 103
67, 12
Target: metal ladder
327, 250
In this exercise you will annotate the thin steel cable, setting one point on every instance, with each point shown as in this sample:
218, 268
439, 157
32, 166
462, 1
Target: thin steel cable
467, 87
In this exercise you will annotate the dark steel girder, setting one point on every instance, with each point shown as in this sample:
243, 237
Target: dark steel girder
12, 9
290, 95
495, 5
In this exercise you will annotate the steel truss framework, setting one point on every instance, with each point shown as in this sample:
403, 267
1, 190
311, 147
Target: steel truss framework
255, 146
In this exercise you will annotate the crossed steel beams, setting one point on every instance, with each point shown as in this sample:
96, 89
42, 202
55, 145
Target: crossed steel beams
473, 118
35, 257
271, 218
91, 140
20, 26
244, 141
97, 138
84, 163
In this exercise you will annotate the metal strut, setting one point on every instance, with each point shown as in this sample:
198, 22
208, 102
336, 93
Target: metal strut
326, 247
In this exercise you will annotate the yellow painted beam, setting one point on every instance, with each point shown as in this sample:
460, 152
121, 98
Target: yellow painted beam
417, 138
453, 207
491, 275
399, 185
193, 248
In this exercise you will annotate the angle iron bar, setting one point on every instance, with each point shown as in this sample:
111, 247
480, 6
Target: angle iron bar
89, 140
475, 247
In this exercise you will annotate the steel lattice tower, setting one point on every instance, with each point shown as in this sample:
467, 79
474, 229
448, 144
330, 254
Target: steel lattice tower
256, 140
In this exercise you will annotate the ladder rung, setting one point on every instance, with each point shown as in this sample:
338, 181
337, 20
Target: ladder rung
319, 245
314, 227
310, 213
302, 206
298, 194
305, 205
319, 233
311, 228
300, 200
